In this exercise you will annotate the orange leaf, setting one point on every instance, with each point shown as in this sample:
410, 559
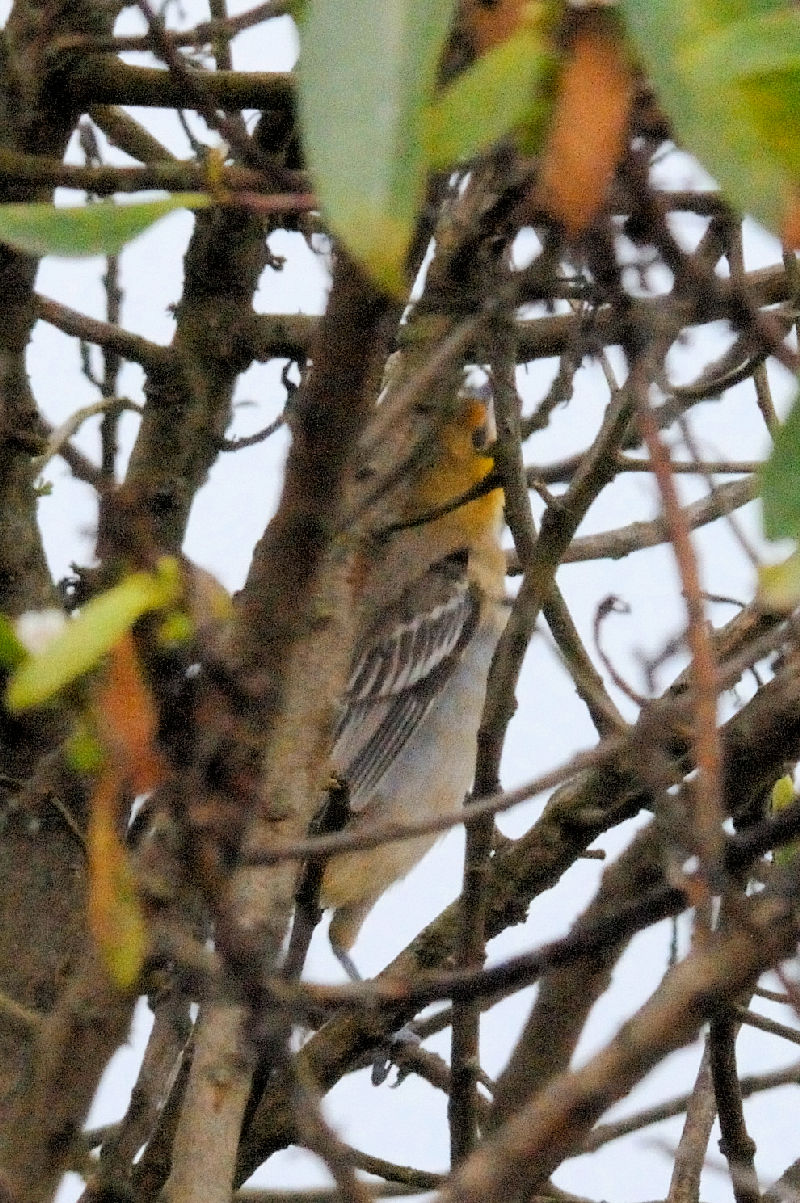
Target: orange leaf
491, 24
126, 719
790, 233
114, 914
589, 125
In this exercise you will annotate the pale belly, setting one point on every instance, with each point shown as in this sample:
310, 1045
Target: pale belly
430, 777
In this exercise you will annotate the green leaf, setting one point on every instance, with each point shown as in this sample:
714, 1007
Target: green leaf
780, 481
114, 911
760, 56
757, 44
735, 124
89, 636
83, 751
783, 795
176, 629
12, 651
367, 73
779, 584
79, 230
498, 94
125, 947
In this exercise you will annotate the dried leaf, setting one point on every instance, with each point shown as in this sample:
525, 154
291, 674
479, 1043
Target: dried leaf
589, 124
126, 719
491, 24
115, 917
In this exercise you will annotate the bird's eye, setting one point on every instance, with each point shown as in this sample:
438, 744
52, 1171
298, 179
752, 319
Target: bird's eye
480, 437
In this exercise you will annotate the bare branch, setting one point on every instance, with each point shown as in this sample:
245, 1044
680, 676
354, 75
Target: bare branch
736, 1144
519, 1158
690, 1156
103, 334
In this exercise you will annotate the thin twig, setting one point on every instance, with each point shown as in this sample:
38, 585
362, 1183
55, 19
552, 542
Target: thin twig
758, 370
59, 437
588, 681
251, 440
320, 1194
695, 467
471, 951
557, 531
201, 34
690, 1154
150, 356
192, 81
731, 522
736, 1144
404, 1175
755, 1084
320, 1138
519, 1158
778, 996
385, 832
637, 536
708, 818
158, 1070
19, 1016
754, 1020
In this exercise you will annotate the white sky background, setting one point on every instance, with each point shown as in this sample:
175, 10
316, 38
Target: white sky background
409, 1125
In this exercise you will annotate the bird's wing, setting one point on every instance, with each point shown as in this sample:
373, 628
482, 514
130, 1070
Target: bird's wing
399, 670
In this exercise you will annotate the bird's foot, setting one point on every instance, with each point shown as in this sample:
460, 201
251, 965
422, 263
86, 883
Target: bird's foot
387, 1056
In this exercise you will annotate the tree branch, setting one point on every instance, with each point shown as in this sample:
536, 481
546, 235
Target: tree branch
518, 1159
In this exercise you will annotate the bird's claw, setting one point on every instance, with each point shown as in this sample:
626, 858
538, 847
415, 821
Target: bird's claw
384, 1058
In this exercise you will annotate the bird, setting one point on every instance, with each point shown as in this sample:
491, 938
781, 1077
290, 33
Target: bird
433, 610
